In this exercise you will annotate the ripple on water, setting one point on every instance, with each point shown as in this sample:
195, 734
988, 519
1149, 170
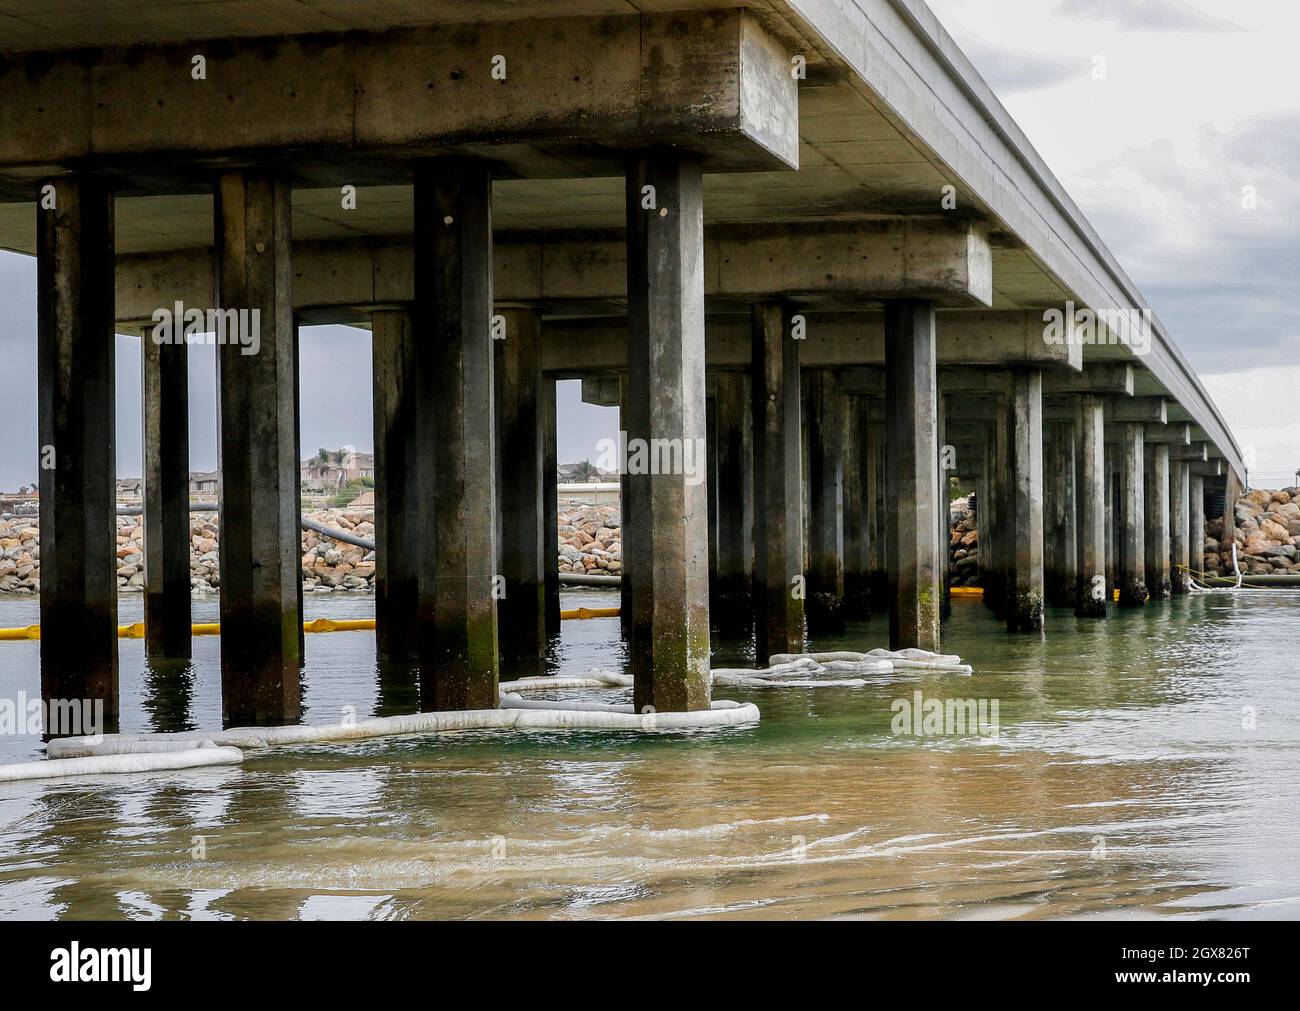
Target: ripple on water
1126, 779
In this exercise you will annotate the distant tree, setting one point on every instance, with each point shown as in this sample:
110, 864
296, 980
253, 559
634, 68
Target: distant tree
585, 471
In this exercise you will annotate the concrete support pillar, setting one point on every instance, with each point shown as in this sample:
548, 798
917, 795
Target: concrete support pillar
1132, 519
877, 511
397, 514
1092, 600
1060, 536
522, 611
1156, 502
1180, 558
997, 586
1112, 525
986, 515
911, 476
297, 484
166, 428
627, 518
734, 605
669, 538
1231, 491
1196, 520
778, 513
75, 411
1025, 608
825, 602
943, 521
261, 548
456, 436
551, 510
858, 534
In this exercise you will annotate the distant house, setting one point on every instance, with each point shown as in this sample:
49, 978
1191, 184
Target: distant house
129, 488
583, 472
330, 470
203, 482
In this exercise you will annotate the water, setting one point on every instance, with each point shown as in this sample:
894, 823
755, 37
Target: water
1122, 783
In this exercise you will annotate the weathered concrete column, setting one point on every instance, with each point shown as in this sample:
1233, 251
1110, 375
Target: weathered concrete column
1196, 520
261, 548
1092, 600
297, 484
943, 528
986, 518
451, 321
1156, 503
877, 509
1060, 537
669, 540
1025, 608
857, 511
551, 509
778, 512
825, 604
1231, 491
166, 429
522, 611
77, 453
626, 518
1132, 519
733, 599
911, 476
1001, 464
397, 513
1112, 525
1179, 526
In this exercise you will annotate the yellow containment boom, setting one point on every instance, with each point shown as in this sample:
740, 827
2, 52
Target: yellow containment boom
136, 630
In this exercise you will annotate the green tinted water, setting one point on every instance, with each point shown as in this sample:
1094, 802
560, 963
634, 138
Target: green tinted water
1144, 766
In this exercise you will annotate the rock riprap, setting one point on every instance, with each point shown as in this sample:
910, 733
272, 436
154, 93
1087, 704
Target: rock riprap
591, 539
1267, 535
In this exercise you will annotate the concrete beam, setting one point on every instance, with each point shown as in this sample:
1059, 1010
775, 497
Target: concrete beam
1150, 410
1192, 452
853, 341
1171, 436
599, 391
1096, 377
836, 262
714, 82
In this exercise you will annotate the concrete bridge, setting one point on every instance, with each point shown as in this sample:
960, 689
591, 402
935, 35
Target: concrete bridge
802, 231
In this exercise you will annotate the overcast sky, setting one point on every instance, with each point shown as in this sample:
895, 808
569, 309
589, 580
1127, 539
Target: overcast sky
1199, 99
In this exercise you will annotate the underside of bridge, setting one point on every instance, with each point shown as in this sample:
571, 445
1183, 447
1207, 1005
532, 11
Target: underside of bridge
798, 242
